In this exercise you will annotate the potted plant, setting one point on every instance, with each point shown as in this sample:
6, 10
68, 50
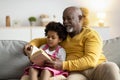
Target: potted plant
32, 20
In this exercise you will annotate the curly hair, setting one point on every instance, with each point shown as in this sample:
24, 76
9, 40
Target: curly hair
57, 27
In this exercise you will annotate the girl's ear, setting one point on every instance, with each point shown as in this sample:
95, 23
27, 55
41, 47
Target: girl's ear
60, 40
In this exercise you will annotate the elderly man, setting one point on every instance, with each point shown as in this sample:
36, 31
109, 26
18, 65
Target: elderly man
85, 59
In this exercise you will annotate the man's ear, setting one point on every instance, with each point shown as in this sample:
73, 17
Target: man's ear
80, 17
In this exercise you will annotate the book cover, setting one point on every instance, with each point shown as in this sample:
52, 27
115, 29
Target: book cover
39, 56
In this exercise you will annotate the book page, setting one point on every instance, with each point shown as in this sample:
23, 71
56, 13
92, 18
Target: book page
39, 56
45, 54
34, 49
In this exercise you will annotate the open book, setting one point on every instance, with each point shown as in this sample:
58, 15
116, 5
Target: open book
39, 56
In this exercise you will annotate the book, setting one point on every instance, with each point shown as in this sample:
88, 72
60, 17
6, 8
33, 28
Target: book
39, 56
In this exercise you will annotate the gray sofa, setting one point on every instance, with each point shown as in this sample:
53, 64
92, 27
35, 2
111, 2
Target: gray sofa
13, 61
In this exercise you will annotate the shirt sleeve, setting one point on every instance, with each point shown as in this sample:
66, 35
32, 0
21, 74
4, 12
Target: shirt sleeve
61, 54
92, 50
38, 42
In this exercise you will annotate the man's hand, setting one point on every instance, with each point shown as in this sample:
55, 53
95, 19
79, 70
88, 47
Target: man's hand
56, 64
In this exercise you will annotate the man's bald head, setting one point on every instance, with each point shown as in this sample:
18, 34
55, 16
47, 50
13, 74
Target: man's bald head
73, 9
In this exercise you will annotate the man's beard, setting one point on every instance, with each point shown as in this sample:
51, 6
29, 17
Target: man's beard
69, 29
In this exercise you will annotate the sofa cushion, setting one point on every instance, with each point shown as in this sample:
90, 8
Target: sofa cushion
111, 49
12, 59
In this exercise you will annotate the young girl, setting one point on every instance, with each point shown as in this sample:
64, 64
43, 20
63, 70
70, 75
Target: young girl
55, 33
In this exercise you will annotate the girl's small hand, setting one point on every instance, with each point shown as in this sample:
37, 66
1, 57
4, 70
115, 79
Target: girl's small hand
28, 49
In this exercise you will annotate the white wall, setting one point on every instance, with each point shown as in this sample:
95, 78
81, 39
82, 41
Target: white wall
113, 18
20, 10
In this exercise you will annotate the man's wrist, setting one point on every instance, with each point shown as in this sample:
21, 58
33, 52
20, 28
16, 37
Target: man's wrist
65, 65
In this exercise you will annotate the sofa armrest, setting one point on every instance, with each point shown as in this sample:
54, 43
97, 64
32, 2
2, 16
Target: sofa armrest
111, 50
12, 59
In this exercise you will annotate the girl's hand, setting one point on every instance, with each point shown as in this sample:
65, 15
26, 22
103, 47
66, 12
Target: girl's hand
28, 49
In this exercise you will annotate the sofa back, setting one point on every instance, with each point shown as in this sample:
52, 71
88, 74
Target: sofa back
12, 59
111, 50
